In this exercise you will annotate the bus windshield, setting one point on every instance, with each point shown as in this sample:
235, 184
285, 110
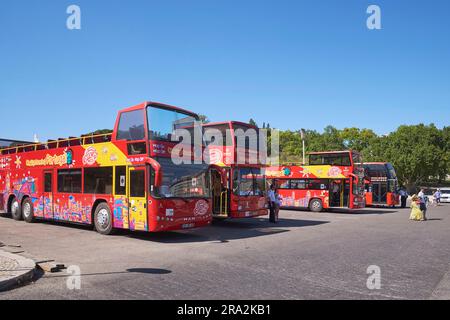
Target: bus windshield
249, 182
333, 159
163, 123
182, 181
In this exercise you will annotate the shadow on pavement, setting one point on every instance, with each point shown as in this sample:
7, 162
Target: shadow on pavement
221, 230
63, 274
224, 231
346, 211
365, 212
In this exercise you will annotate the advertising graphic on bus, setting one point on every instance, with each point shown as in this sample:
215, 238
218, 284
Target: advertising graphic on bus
237, 155
123, 180
381, 184
331, 180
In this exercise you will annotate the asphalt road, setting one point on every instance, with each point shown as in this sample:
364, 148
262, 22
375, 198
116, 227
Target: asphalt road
306, 256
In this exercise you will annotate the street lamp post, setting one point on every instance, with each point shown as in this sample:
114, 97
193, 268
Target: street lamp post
302, 133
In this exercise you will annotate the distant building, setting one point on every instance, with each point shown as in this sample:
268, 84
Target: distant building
7, 143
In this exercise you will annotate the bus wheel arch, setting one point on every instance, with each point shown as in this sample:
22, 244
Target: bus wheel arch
102, 217
316, 205
27, 209
14, 208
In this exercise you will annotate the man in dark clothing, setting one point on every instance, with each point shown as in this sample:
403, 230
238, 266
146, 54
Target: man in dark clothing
403, 197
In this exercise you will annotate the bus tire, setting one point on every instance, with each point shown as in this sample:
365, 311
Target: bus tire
103, 219
28, 210
16, 210
316, 205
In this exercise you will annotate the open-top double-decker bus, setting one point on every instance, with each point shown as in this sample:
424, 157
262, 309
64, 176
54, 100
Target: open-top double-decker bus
238, 181
381, 184
123, 180
331, 180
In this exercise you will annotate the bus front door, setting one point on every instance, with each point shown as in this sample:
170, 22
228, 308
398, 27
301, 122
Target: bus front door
337, 193
137, 184
379, 190
220, 194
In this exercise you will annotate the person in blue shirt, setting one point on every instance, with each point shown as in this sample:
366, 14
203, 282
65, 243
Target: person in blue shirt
437, 196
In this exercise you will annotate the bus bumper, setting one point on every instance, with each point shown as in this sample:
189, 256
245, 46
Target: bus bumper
248, 214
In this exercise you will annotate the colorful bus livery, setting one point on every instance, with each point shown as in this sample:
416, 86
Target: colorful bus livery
123, 180
332, 180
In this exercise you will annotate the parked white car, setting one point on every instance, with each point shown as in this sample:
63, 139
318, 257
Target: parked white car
445, 197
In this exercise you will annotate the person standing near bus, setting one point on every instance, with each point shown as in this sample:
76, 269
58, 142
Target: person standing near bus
423, 203
403, 197
272, 204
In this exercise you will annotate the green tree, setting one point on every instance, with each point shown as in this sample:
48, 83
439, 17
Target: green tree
417, 152
99, 132
203, 119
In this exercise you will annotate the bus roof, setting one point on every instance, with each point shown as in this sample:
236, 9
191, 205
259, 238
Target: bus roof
212, 124
158, 104
380, 163
333, 152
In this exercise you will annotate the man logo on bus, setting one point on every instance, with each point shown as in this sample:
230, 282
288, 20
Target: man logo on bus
287, 171
201, 208
90, 156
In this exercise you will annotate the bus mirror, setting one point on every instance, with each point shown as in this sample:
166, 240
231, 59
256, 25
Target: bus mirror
157, 172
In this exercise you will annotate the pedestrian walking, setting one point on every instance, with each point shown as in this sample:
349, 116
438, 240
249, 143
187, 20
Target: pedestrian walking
437, 197
403, 197
416, 213
423, 203
272, 204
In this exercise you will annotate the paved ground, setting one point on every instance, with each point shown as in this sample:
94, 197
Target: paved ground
306, 256
6, 266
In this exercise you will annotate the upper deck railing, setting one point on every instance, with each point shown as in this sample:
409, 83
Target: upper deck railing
60, 143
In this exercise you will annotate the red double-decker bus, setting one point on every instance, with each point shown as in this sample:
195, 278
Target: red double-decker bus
381, 184
238, 181
123, 180
331, 180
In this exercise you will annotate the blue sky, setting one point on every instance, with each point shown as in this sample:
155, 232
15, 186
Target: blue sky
291, 63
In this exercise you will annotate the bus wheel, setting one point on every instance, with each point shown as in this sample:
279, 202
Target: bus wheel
27, 210
16, 211
103, 219
316, 205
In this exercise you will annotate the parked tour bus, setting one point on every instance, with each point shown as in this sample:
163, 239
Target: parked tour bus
123, 180
238, 181
381, 184
331, 180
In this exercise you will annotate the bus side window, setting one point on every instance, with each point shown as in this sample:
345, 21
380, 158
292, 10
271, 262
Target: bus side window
284, 184
121, 181
48, 182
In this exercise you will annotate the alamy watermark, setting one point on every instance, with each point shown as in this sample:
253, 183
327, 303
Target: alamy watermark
237, 146
374, 279
374, 20
74, 279
73, 22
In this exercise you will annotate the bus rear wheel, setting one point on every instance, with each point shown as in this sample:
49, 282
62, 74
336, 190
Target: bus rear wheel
27, 210
16, 210
103, 219
316, 205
